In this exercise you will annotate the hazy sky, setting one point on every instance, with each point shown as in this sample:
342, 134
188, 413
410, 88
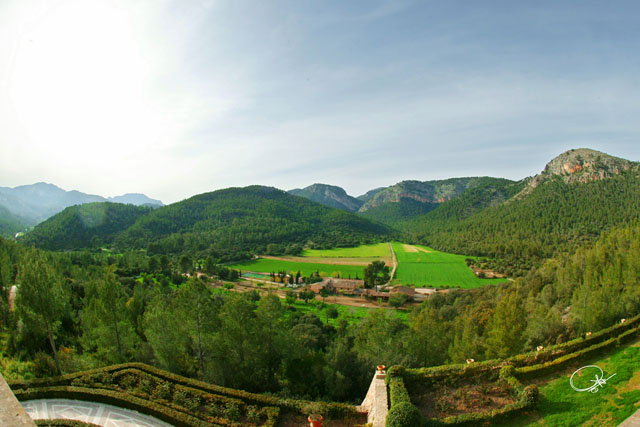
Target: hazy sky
177, 98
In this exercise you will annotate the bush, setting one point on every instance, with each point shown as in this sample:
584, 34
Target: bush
404, 414
44, 365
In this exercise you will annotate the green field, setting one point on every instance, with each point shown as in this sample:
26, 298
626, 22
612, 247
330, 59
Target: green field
365, 251
417, 265
264, 265
560, 405
428, 267
351, 314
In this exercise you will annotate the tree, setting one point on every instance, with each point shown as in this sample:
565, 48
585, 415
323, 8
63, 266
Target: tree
506, 327
376, 274
198, 313
42, 298
106, 322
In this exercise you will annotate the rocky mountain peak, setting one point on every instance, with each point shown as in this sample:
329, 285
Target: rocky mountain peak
581, 165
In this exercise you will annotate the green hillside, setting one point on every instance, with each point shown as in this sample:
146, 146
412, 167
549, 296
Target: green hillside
259, 219
84, 226
553, 217
10, 224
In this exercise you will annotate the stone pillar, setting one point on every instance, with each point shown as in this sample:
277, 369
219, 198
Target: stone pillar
375, 404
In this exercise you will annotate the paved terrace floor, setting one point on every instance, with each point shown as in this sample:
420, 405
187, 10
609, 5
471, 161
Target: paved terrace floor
96, 413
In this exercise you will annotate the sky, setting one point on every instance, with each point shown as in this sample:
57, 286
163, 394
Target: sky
177, 98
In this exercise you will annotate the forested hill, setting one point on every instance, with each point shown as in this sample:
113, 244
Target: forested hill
479, 194
553, 216
226, 224
84, 226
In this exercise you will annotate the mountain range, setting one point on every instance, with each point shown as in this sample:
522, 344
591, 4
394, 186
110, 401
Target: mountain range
27, 205
577, 196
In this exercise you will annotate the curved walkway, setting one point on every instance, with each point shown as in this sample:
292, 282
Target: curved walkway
89, 412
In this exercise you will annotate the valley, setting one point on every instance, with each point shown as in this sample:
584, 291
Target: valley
260, 291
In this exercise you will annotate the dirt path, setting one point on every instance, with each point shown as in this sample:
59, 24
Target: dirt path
395, 263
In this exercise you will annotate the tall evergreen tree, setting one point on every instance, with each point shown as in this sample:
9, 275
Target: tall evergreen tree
42, 298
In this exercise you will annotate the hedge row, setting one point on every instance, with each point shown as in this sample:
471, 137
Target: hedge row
115, 398
573, 346
61, 422
522, 366
190, 389
527, 372
403, 413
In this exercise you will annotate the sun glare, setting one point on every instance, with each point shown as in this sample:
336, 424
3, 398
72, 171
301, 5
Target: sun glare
78, 83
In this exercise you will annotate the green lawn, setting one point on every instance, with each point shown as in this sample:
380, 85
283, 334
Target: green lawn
352, 314
435, 268
264, 265
365, 251
560, 405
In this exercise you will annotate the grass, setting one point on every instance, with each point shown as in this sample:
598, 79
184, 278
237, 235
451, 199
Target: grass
428, 267
351, 314
264, 265
365, 251
561, 406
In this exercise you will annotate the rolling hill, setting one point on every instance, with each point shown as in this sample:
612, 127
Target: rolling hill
228, 224
89, 225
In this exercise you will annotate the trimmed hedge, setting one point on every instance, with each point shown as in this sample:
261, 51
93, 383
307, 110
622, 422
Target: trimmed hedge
61, 422
115, 398
511, 370
527, 372
178, 395
402, 411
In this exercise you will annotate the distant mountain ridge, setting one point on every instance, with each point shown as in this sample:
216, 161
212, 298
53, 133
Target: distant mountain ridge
329, 195
27, 205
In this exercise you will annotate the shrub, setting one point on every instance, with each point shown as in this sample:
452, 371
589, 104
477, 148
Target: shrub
404, 414
44, 365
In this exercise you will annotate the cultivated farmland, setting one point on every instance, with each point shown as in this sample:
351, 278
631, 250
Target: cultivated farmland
418, 266
423, 266
267, 265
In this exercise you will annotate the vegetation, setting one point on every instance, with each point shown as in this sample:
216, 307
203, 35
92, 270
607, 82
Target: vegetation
423, 266
554, 218
363, 251
266, 265
613, 403
89, 225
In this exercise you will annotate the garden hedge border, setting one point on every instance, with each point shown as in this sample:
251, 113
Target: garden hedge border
111, 397
272, 405
63, 422
402, 409
512, 370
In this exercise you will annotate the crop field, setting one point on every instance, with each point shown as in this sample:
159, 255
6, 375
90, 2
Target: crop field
376, 250
266, 265
423, 266
417, 265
